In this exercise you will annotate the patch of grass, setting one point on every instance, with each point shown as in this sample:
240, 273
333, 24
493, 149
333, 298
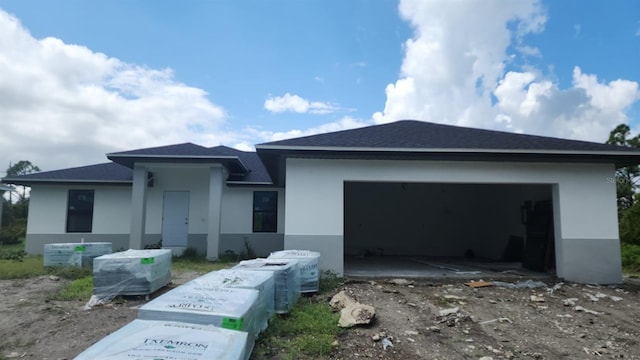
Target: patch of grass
329, 280
30, 266
69, 272
191, 261
309, 330
630, 258
79, 289
12, 251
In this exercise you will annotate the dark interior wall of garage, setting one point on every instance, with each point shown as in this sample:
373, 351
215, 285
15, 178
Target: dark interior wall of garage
434, 219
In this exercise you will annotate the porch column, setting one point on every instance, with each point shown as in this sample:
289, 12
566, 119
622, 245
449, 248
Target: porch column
138, 207
215, 202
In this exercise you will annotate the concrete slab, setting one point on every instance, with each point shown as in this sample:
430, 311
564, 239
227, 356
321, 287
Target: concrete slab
431, 268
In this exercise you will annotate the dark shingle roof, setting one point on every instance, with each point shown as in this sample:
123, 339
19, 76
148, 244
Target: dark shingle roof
418, 140
111, 173
185, 149
254, 172
257, 172
412, 134
183, 153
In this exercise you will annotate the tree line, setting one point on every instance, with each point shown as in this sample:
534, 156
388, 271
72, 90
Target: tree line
16, 209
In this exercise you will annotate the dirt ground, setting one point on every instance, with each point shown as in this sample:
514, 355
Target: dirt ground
568, 321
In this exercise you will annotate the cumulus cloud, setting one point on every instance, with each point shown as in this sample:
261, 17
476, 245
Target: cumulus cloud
344, 123
458, 68
64, 105
295, 103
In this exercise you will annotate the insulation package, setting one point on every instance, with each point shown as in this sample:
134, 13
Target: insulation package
257, 280
286, 277
131, 272
75, 254
308, 264
142, 339
227, 308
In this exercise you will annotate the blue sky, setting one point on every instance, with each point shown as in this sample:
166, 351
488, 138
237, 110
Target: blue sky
83, 78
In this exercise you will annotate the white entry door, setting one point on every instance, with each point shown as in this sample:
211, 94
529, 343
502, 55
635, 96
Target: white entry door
175, 218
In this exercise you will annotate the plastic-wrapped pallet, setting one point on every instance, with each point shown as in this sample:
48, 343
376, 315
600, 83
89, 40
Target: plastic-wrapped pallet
142, 339
75, 254
308, 263
242, 279
227, 308
131, 272
286, 276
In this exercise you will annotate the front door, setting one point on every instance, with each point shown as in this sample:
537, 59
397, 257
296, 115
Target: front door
175, 218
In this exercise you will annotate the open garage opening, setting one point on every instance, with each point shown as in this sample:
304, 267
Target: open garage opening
447, 227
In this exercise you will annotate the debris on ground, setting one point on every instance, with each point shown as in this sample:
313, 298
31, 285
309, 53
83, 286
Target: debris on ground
356, 314
386, 343
528, 284
492, 322
340, 300
401, 282
582, 309
478, 284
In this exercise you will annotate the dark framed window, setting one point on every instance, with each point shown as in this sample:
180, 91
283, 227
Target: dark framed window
265, 211
80, 211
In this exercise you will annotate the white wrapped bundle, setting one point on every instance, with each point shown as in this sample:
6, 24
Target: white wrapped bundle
74, 254
308, 264
286, 276
258, 280
142, 339
228, 308
131, 272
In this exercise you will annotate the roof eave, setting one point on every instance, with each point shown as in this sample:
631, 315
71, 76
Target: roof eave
129, 160
272, 156
30, 182
339, 149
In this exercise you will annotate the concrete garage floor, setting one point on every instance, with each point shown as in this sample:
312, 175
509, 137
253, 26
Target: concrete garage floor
432, 268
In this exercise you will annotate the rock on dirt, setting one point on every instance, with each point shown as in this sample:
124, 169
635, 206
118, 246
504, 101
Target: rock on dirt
356, 314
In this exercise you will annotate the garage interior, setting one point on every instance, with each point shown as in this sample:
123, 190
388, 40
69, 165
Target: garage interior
448, 229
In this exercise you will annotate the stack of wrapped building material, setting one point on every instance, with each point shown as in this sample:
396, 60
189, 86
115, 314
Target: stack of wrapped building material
74, 254
262, 281
286, 276
141, 339
228, 308
131, 272
308, 264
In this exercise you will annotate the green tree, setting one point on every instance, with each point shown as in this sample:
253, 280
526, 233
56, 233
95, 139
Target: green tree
626, 177
22, 167
14, 214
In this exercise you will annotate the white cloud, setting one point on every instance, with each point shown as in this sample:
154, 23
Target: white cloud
244, 146
64, 105
295, 103
345, 123
454, 71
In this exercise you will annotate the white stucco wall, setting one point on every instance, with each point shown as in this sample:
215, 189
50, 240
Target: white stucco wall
193, 179
237, 202
585, 201
48, 209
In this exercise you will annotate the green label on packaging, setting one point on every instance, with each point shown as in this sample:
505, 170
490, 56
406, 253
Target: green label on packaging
80, 248
145, 261
232, 324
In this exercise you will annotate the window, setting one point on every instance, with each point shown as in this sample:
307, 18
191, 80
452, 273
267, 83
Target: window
265, 211
80, 211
